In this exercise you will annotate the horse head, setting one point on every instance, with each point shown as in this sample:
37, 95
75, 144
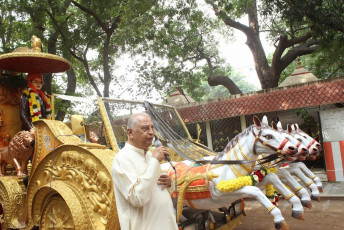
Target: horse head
311, 144
266, 140
302, 151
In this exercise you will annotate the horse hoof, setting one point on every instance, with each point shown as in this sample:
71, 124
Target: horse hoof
320, 189
306, 203
315, 197
298, 215
282, 225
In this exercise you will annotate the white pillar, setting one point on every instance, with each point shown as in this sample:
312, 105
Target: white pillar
243, 122
209, 139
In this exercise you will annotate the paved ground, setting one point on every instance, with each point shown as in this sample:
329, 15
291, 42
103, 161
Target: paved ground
324, 215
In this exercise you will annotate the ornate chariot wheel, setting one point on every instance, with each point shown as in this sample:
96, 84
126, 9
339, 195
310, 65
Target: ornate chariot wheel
56, 215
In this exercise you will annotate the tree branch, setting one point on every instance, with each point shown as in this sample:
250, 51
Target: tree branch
93, 14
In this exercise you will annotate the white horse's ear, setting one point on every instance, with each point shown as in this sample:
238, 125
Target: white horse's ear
296, 126
274, 126
265, 120
279, 125
256, 121
289, 128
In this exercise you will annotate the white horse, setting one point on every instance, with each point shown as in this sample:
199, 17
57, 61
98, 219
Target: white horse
299, 169
285, 175
253, 141
314, 153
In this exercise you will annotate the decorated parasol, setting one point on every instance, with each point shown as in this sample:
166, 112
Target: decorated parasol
26, 60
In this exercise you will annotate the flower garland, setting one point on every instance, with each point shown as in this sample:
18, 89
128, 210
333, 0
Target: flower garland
271, 193
35, 105
237, 183
253, 179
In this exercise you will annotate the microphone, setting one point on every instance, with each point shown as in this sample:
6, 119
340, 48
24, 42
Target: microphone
157, 143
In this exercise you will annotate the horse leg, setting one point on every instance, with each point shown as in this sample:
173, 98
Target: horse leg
297, 209
309, 173
295, 186
308, 182
254, 192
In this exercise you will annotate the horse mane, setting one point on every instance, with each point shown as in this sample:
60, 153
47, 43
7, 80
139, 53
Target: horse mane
236, 139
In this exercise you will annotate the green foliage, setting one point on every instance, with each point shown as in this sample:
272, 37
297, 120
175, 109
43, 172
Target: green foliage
326, 17
327, 62
13, 82
14, 26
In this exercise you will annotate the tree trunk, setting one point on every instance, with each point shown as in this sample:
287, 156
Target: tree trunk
71, 86
52, 40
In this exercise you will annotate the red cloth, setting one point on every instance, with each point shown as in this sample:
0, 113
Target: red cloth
183, 170
32, 76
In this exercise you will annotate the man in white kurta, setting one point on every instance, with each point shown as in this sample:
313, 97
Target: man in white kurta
142, 192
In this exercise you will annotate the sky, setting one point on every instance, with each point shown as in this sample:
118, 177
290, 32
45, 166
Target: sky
235, 52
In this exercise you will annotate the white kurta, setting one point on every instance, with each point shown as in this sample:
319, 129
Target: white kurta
141, 203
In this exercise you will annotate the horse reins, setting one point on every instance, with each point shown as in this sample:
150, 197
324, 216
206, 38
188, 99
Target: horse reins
265, 159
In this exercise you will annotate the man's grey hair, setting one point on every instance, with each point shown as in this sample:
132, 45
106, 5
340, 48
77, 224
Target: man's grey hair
134, 120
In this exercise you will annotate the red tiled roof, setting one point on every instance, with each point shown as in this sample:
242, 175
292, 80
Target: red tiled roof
276, 99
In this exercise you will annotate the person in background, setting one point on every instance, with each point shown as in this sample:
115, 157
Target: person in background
142, 192
34, 102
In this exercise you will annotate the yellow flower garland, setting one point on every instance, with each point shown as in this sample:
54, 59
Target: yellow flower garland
234, 184
33, 102
269, 190
239, 182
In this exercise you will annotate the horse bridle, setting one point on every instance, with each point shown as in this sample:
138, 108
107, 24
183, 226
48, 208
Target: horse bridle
310, 144
277, 150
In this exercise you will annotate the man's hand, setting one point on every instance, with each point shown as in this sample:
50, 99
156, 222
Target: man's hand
165, 181
160, 153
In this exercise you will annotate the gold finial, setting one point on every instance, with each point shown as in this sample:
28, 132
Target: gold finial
36, 44
298, 60
29, 166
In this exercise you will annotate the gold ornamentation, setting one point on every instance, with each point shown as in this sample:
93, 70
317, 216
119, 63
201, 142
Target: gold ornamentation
187, 180
109, 132
249, 170
234, 169
289, 196
84, 171
309, 183
56, 215
313, 177
12, 200
298, 189
271, 208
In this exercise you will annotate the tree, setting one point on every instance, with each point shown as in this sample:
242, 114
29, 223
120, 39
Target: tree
12, 29
105, 27
206, 92
184, 52
325, 16
188, 42
292, 39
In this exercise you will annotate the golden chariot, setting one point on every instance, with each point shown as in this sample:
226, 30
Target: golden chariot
70, 184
